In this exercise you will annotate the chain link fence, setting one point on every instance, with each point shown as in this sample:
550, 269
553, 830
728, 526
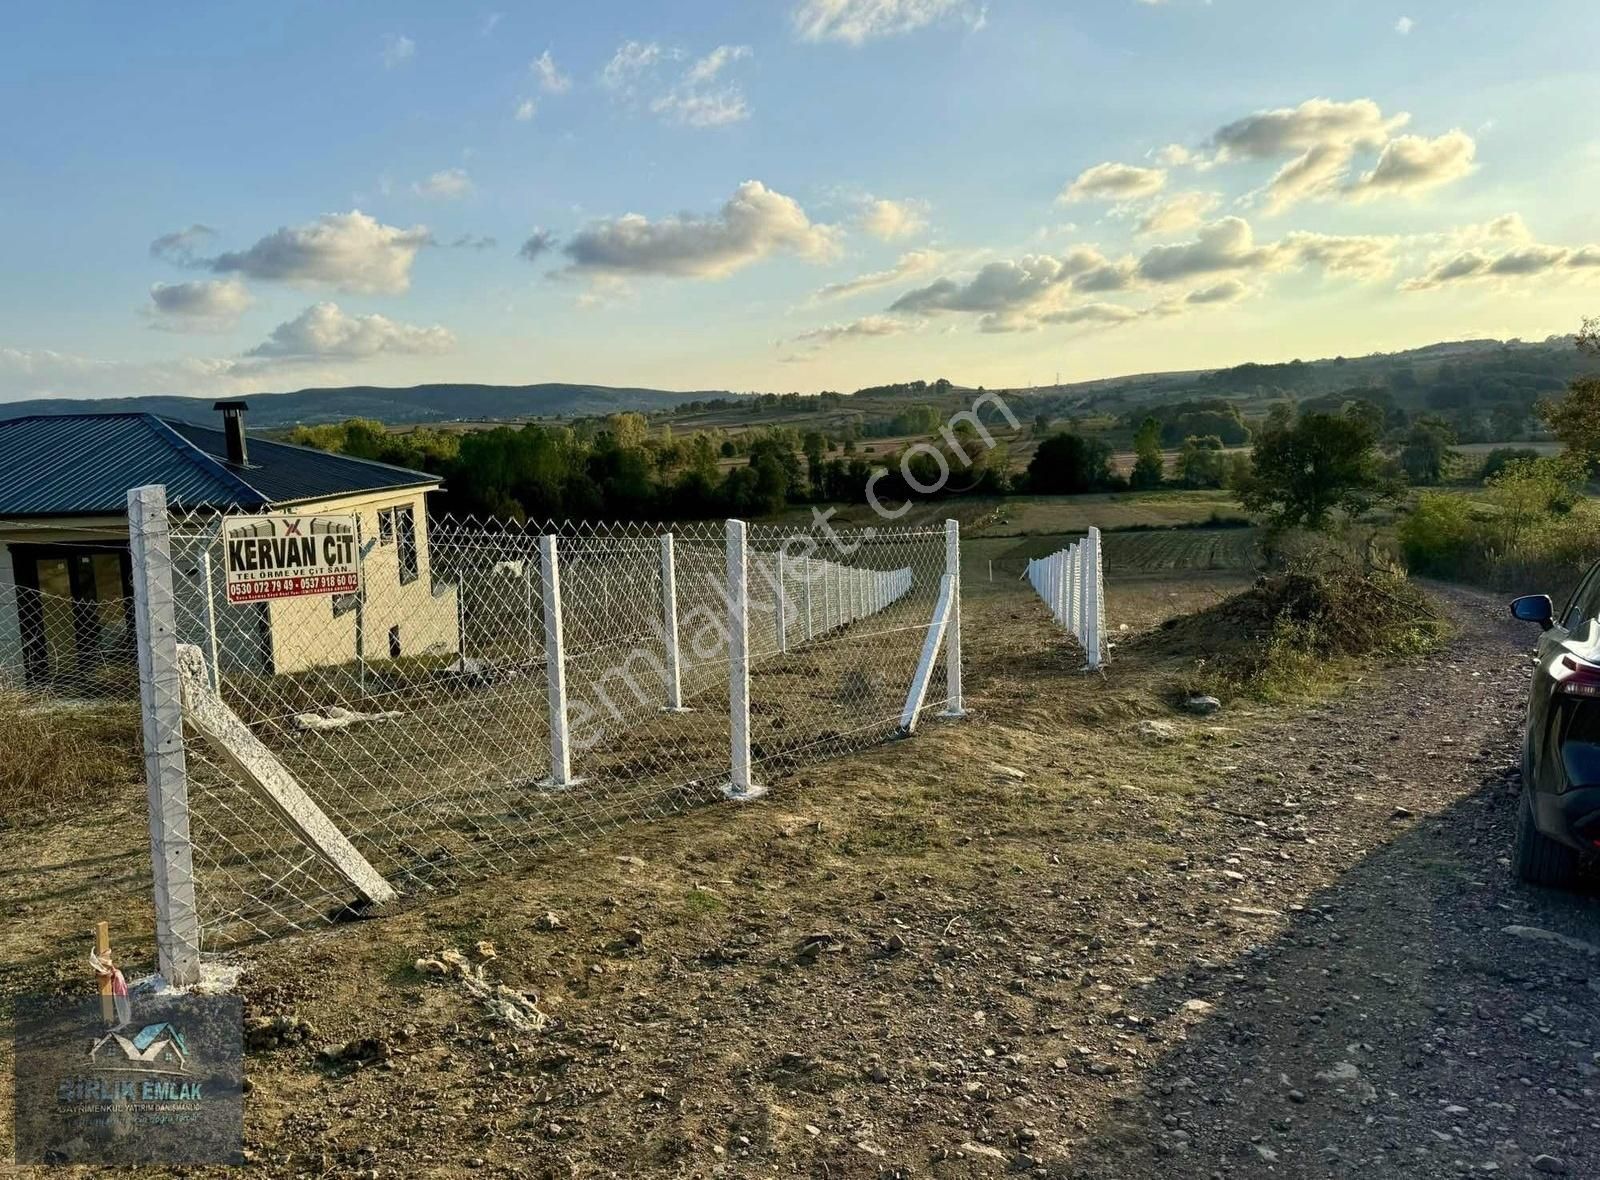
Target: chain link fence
494, 688
1072, 583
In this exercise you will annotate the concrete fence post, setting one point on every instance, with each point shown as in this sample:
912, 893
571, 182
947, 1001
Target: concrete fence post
781, 613
1091, 597
555, 662
805, 593
669, 624
740, 784
161, 716
954, 705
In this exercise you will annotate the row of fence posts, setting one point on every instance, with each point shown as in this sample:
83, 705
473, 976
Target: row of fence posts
178, 933
847, 593
1071, 582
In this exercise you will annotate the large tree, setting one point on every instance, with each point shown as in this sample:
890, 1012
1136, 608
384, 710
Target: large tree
1066, 464
1308, 469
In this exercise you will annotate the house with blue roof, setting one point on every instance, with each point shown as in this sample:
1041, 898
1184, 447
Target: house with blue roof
66, 610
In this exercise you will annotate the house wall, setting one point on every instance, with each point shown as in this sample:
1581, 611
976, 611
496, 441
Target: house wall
306, 633
289, 635
10, 624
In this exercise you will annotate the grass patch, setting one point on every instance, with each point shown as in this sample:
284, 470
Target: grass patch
59, 756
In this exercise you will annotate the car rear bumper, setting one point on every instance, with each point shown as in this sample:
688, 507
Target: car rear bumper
1572, 817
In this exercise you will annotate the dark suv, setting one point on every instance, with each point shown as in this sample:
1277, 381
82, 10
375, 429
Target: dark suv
1558, 821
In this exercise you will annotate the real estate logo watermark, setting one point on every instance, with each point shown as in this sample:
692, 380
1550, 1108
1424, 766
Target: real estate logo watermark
162, 1082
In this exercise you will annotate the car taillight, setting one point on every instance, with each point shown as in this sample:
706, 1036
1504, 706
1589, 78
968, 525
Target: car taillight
1577, 678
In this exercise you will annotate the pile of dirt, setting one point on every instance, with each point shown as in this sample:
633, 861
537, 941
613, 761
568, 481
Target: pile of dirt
1292, 627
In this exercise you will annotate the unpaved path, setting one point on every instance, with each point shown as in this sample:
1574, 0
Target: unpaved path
1393, 1027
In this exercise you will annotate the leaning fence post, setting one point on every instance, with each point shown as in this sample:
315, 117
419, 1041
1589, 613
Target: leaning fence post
555, 663
161, 713
739, 785
954, 706
669, 624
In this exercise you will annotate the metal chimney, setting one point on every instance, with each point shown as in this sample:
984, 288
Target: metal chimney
233, 428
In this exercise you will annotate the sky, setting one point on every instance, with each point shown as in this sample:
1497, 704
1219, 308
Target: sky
780, 195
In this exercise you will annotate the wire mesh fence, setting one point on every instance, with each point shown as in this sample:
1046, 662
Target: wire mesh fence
1072, 583
493, 688
67, 648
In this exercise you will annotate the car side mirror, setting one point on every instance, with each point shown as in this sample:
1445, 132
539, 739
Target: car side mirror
1534, 608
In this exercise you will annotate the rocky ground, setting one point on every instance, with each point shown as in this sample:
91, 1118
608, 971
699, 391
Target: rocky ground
1052, 940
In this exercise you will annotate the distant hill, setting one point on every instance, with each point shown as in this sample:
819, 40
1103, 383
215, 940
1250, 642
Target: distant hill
418, 403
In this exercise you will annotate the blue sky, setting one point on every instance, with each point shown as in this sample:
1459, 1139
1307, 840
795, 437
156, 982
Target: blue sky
803, 194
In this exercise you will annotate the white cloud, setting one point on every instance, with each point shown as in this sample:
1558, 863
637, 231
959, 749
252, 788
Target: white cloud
707, 68
1411, 164
1022, 294
540, 242
206, 305
1269, 134
1322, 137
890, 220
909, 265
753, 224
551, 79
1227, 291
1116, 182
631, 62
444, 185
324, 332
348, 251
398, 50
1223, 245
856, 21
699, 98
181, 246
1523, 260
1179, 212
526, 110
1404, 25
867, 327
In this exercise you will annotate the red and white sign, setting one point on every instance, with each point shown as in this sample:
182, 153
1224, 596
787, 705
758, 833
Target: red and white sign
266, 557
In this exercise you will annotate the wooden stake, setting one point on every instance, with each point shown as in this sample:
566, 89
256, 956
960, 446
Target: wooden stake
102, 950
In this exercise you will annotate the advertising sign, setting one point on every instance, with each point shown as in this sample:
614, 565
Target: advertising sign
267, 557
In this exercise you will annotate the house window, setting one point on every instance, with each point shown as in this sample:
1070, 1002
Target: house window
386, 526
405, 534
394, 642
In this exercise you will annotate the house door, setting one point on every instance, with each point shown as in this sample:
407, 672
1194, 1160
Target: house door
75, 610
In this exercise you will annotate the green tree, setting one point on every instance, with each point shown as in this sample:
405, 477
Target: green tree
1202, 463
1067, 464
1425, 456
1149, 465
1309, 469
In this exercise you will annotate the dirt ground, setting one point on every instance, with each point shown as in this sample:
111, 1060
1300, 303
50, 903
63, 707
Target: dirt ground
1045, 940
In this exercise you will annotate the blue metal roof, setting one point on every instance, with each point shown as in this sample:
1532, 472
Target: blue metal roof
84, 464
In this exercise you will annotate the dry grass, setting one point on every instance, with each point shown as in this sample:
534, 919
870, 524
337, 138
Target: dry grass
57, 757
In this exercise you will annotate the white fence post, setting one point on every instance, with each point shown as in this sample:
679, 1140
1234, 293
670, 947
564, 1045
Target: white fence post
161, 712
555, 664
805, 593
1092, 597
954, 705
213, 667
669, 624
783, 606
739, 786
